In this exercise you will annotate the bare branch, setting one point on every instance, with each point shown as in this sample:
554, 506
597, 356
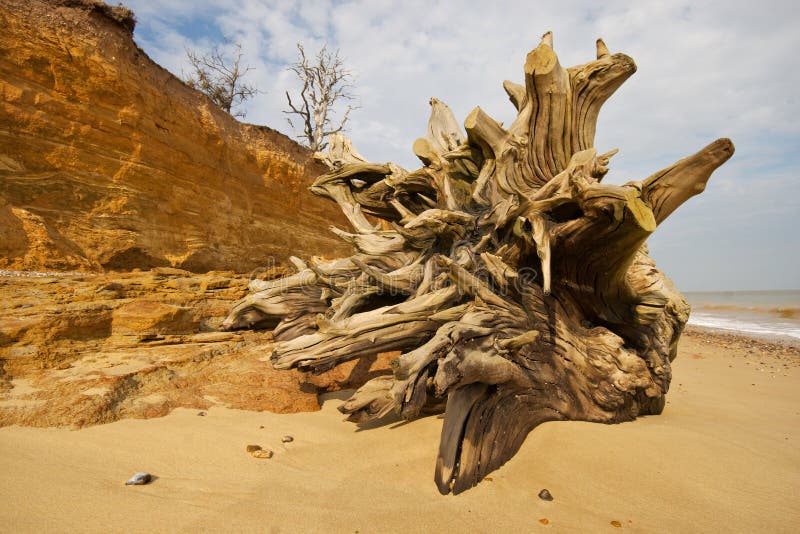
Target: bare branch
325, 82
221, 78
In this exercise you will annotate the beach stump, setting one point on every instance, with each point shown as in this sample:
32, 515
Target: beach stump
516, 284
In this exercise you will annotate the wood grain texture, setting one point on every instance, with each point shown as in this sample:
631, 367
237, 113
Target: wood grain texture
515, 282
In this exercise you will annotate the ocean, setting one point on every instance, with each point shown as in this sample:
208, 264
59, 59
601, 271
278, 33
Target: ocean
772, 314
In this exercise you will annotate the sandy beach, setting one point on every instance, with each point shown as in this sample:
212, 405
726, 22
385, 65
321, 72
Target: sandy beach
192, 286
723, 456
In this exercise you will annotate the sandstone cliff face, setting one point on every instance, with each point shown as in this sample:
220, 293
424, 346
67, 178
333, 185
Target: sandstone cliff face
107, 161
78, 350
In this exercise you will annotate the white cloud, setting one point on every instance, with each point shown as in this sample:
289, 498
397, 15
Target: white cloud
706, 70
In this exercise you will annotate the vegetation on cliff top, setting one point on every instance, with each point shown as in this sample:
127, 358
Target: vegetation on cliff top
118, 13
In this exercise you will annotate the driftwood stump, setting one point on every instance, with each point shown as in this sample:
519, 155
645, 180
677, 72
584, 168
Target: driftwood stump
516, 284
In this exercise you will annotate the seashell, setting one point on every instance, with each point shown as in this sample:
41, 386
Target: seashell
139, 479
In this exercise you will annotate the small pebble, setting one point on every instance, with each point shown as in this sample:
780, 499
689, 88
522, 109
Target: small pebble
287, 439
262, 453
262, 426
253, 448
139, 479
545, 495
201, 414
544, 521
616, 524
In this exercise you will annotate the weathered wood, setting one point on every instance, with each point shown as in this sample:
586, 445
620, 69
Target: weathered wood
515, 282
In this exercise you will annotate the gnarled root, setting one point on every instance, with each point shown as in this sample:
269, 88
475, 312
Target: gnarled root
515, 283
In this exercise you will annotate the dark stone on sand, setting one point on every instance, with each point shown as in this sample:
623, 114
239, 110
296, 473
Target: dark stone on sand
545, 495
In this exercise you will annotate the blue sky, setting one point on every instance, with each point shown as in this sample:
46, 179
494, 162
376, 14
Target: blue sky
705, 70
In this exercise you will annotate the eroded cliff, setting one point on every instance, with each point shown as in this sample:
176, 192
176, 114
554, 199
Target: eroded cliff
83, 349
109, 162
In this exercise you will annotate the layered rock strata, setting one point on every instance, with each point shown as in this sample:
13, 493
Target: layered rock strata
78, 350
109, 162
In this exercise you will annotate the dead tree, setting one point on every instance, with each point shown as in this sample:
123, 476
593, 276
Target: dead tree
325, 81
221, 78
515, 282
